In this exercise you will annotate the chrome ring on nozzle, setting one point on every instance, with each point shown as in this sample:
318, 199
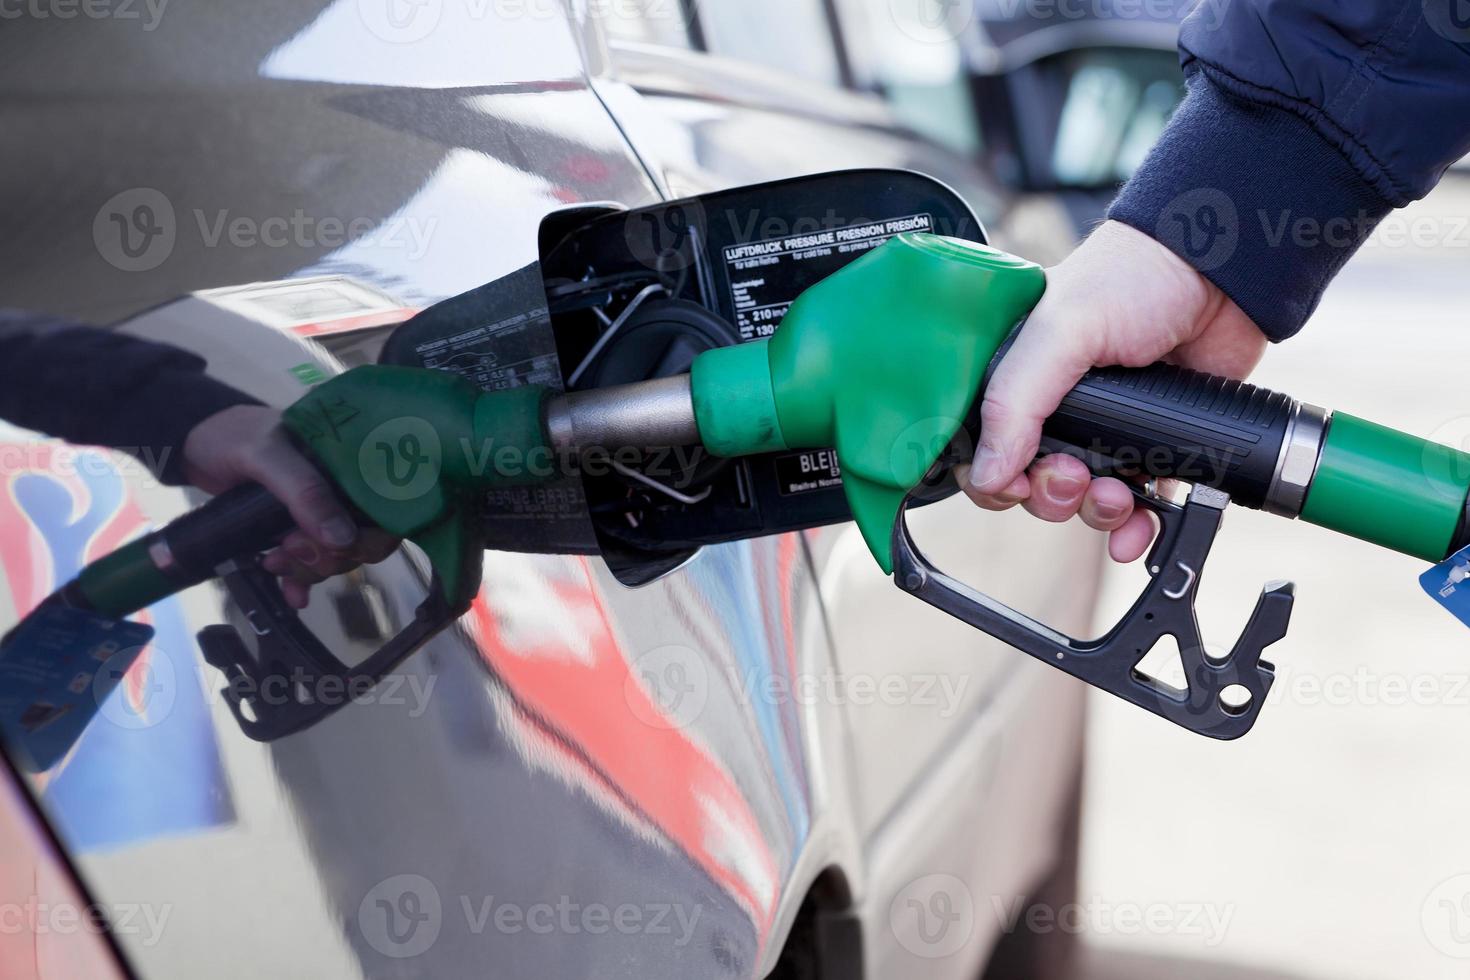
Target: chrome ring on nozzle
1301, 449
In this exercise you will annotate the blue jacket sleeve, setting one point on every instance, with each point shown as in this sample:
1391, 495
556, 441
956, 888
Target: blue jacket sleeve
100, 388
1304, 124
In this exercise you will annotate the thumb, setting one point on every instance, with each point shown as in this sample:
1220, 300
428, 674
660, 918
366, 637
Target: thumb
306, 493
1027, 387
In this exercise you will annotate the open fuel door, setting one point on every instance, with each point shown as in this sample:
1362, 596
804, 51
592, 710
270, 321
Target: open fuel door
623, 296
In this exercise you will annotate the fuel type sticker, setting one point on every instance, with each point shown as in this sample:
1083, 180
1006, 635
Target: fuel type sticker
806, 472
766, 277
1448, 584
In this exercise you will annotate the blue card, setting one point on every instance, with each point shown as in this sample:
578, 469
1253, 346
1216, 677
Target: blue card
57, 667
1448, 584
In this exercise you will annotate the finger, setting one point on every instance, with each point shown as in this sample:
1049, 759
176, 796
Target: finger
283, 566
1108, 504
302, 575
1008, 498
296, 580
301, 549
1018, 490
305, 492
278, 563
305, 553
1058, 485
374, 545
1131, 541
1028, 386
296, 594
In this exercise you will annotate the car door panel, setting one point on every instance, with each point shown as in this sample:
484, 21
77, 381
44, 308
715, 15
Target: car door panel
964, 755
928, 674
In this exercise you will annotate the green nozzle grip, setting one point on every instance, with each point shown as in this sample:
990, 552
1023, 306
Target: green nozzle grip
1389, 488
880, 361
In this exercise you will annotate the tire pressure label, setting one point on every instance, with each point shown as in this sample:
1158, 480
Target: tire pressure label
767, 276
806, 472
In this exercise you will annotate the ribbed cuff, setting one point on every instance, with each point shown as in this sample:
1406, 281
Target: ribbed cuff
1255, 199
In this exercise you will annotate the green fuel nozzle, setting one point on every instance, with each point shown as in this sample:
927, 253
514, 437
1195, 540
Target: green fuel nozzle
884, 360
881, 361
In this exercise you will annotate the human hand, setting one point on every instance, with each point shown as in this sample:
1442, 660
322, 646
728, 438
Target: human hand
247, 444
1120, 299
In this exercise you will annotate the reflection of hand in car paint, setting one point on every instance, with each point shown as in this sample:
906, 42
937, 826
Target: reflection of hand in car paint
245, 443
154, 401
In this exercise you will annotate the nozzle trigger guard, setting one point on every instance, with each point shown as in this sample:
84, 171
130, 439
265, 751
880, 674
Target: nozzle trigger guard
1224, 697
279, 691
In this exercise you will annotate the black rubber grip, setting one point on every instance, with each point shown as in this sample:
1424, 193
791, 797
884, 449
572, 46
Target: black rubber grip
243, 521
1166, 421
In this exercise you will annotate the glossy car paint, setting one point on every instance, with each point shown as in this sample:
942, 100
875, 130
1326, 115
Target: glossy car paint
967, 778
48, 930
582, 779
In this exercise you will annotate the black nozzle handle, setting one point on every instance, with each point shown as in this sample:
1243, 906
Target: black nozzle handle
1167, 421
245, 520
